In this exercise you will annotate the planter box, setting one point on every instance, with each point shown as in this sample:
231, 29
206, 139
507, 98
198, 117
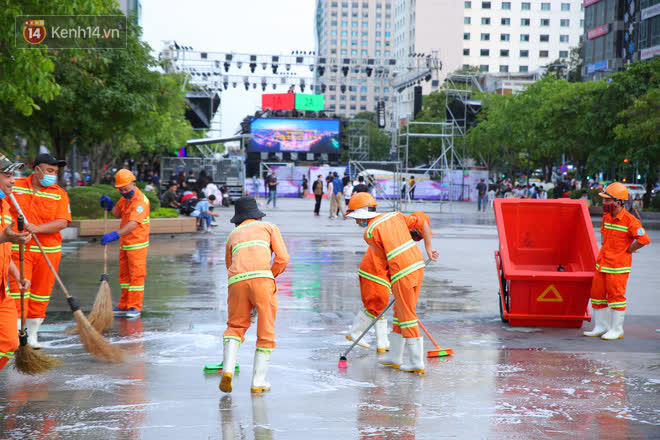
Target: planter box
184, 224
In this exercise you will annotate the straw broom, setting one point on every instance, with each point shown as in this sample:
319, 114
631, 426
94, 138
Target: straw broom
26, 359
101, 316
92, 340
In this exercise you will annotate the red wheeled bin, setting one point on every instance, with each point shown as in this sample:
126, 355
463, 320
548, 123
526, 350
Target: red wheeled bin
546, 261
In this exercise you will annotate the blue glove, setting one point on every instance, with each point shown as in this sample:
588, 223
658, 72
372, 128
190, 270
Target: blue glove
109, 238
107, 203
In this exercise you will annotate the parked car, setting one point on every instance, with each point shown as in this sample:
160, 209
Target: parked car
635, 190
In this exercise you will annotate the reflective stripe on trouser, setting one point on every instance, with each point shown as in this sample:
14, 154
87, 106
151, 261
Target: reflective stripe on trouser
132, 271
609, 289
259, 293
406, 291
8, 333
41, 279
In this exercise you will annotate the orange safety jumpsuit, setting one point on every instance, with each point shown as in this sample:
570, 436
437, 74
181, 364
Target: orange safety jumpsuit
44, 206
375, 285
389, 237
8, 315
608, 287
133, 250
252, 280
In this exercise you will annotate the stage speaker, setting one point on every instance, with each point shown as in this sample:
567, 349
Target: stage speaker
417, 101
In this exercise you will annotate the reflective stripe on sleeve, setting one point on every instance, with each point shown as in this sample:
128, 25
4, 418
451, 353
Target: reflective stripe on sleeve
370, 230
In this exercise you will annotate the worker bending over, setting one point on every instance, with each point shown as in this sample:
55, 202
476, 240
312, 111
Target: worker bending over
248, 255
389, 237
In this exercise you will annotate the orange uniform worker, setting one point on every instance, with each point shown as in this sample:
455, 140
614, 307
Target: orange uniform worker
622, 235
8, 315
389, 237
248, 254
375, 286
46, 208
133, 233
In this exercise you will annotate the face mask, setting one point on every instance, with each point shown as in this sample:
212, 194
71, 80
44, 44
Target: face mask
47, 180
2, 195
363, 223
128, 195
609, 208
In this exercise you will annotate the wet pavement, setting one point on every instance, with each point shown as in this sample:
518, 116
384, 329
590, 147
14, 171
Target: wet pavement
502, 382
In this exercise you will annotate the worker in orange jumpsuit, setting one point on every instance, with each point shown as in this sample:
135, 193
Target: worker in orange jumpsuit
47, 211
375, 286
248, 255
133, 233
622, 235
389, 237
8, 316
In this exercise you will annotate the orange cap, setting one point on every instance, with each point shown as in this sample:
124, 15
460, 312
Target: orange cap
123, 178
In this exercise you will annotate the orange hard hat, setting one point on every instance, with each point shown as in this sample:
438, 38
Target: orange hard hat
123, 178
615, 190
362, 205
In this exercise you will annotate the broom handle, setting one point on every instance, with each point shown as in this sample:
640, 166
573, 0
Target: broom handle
373, 322
21, 252
428, 334
105, 247
36, 240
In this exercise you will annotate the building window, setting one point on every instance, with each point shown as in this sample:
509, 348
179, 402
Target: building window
485, 20
564, 22
388, 34
353, 98
524, 68
505, 22
333, 23
353, 42
363, 107
524, 37
485, 5
377, 43
466, 52
563, 54
467, 20
505, 37
545, 6
484, 52
545, 22
343, 51
344, 33
581, 23
342, 107
525, 6
354, 33
545, 38
363, 53
485, 37
354, 23
333, 42
363, 98
365, 42
365, 33
525, 22
387, 53
565, 6
504, 69
543, 54
466, 35
333, 51
468, 5
343, 42
524, 54
506, 5
377, 53
504, 52
333, 33
483, 67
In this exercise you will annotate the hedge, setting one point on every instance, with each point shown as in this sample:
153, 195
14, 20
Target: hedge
85, 200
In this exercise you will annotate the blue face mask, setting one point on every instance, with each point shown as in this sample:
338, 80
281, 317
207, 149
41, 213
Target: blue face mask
128, 195
47, 180
364, 223
2, 195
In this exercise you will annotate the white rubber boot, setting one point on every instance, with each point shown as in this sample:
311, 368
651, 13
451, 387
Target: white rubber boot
360, 324
32, 325
259, 384
382, 342
413, 357
601, 322
228, 364
616, 329
394, 357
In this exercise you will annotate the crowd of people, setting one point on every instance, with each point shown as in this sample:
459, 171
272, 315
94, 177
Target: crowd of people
338, 191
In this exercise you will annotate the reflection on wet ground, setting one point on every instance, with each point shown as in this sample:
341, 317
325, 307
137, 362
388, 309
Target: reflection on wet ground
502, 382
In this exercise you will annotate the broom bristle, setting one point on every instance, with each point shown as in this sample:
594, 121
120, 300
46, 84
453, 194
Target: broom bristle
28, 361
94, 343
101, 316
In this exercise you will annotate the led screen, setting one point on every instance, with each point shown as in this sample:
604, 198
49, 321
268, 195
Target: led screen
295, 135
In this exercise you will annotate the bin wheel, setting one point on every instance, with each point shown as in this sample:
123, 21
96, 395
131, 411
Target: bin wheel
499, 302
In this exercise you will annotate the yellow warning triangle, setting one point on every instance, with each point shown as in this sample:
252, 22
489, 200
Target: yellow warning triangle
551, 288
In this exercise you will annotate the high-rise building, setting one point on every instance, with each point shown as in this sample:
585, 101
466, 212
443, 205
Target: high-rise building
649, 29
355, 30
131, 7
520, 36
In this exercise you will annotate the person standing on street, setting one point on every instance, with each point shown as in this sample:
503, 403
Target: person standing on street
622, 235
404, 189
272, 190
133, 233
330, 195
248, 255
317, 188
46, 208
303, 187
481, 195
360, 187
337, 204
411, 186
8, 315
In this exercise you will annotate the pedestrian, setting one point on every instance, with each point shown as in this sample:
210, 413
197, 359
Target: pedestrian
47, 211
622, 235
411, 185
272, 190
8, 315
304, 185
204, 213
360, 187
248, 255
389, 237
491, 198
266, 182
375, 284
404, 189
330, 194
133, 233
348, 191
191, 181
337, 197
155, 180
481, 195
169, 199
317, 189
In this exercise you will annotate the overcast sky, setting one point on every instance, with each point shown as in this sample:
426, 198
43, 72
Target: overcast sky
247, 26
